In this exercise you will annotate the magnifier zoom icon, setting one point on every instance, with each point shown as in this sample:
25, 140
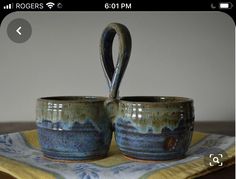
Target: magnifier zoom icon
215, 159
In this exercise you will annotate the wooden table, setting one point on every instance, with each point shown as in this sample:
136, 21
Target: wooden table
226, 128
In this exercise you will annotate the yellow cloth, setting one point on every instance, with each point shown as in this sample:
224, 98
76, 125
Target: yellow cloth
23, 168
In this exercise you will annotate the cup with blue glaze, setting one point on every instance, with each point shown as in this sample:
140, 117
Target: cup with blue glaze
80, 127
146, 127
73, 127
154, 127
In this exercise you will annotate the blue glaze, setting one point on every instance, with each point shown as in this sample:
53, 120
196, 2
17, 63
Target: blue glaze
113, 74
151, 146
73, 128
86, 125
83, 141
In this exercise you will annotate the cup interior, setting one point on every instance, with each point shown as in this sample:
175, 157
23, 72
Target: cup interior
75, 99
155, 99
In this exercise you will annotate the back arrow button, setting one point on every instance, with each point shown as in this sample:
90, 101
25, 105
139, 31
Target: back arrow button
18, 30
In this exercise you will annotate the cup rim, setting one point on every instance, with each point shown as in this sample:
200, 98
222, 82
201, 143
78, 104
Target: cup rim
72, 99
155, 99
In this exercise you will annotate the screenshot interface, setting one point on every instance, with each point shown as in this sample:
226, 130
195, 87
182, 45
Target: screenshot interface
167, 70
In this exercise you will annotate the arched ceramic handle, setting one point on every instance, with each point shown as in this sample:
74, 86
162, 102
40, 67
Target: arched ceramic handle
114, 74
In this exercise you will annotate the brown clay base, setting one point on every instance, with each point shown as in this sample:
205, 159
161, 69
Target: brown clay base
72, 161
151, 161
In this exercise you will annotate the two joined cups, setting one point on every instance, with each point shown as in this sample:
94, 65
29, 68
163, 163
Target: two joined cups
145, 127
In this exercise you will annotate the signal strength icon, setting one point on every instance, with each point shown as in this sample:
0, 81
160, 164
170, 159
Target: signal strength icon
50, 5
8, 6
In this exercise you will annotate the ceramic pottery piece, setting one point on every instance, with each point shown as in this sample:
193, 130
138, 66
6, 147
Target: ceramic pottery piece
154, 128
73, 128
148, 127
78, 128
115, 74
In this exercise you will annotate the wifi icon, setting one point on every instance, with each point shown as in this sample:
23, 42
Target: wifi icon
50, 5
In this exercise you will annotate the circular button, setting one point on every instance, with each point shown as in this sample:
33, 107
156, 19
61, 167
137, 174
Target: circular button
19, 30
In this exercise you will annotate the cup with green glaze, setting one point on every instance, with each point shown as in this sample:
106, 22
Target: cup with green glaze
154, 127
73, 127
80, 127
146, 127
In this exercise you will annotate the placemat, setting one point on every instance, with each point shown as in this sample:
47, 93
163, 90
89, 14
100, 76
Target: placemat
20, 156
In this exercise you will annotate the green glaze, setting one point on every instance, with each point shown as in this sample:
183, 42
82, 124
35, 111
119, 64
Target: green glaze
75, 109
154, 127
73, 127
154, 115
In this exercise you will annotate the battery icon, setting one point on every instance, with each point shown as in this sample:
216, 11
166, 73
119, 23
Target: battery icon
226, 5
